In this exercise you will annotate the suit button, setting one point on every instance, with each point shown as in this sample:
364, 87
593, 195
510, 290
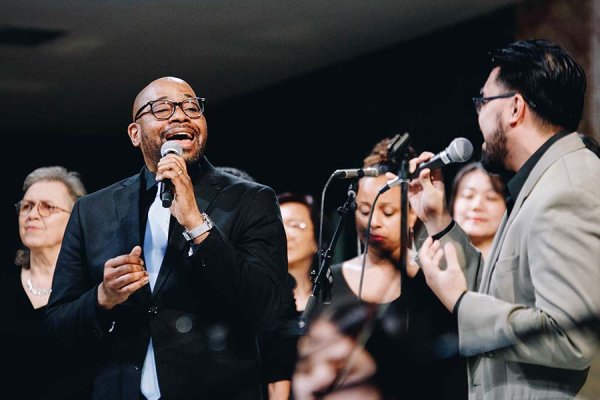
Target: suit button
137, 367
153, 310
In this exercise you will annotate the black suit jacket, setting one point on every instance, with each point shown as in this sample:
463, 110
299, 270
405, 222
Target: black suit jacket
205, 308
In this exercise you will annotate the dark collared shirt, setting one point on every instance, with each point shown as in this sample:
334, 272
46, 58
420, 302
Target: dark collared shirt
149, 179
515, 184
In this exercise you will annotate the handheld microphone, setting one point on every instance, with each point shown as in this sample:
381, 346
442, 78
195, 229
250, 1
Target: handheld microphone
355, 173
458, 151
165, 187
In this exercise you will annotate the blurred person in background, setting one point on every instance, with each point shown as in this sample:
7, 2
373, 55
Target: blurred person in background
301, 223
477, 204
38, 368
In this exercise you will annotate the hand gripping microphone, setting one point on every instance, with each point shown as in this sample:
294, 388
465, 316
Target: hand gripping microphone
165, 186
458, 151
355, 173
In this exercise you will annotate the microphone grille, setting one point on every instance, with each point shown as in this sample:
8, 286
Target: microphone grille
460, 150
371, 171
170, 146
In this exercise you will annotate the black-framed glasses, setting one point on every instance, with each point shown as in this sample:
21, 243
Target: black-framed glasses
164, 108
44, 208
480, 101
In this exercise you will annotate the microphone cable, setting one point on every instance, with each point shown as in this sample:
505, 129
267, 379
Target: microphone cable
366, 249
321, 214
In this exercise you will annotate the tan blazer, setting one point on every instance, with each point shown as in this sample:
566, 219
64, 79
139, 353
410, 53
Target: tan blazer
542, 279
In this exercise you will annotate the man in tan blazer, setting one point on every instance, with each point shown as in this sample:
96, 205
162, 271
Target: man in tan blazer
527, 328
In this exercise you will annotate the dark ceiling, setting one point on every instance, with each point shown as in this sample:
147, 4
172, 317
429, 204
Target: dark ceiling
79, 63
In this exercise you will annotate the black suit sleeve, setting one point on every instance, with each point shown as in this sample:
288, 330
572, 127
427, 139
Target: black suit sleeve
248, 271
73, 313
278, 343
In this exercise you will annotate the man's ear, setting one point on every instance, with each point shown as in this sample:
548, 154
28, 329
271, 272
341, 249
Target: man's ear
518, 110
133, 130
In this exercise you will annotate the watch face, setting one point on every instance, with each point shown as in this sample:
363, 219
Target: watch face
199, 230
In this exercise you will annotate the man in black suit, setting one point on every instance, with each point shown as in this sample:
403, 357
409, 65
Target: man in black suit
191, 332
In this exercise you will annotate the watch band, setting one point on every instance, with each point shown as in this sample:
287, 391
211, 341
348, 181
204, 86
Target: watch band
199, 230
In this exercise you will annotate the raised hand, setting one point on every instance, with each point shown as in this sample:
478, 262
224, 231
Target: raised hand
123, 275
449, 284
427, 196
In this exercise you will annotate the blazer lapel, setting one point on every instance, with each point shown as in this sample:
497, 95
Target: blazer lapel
493, 256
127, 207
563, 146
206, 188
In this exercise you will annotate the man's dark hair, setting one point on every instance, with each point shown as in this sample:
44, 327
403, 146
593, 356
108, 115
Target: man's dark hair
550, 80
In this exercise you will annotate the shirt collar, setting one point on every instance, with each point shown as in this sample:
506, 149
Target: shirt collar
149, 179
515, 184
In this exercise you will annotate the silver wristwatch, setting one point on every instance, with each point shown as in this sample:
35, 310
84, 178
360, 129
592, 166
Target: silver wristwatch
199, 230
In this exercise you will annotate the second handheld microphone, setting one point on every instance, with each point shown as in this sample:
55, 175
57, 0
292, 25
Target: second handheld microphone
458, 151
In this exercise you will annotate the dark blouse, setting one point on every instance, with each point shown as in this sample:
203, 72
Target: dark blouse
34, 367
414, 343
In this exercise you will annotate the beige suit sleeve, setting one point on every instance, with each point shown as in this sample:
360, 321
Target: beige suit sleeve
468, 256
549, 323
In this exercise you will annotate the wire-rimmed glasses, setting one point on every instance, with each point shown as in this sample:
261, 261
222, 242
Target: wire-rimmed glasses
44, 208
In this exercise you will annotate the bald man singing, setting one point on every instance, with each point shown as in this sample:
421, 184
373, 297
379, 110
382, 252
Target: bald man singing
168, 274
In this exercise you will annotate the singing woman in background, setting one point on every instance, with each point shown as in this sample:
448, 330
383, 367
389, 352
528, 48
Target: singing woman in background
412, 340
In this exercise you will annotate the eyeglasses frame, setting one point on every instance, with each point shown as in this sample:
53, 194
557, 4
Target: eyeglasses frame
37, 205
176, 104
480, 101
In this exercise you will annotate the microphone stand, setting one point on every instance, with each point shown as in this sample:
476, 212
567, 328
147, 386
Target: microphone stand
322, 279
398, 151
404, 177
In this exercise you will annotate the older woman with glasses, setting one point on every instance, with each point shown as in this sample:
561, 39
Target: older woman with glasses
49, 194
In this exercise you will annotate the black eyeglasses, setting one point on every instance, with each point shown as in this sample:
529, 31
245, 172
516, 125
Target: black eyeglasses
480, 101
24, 207
164, 109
